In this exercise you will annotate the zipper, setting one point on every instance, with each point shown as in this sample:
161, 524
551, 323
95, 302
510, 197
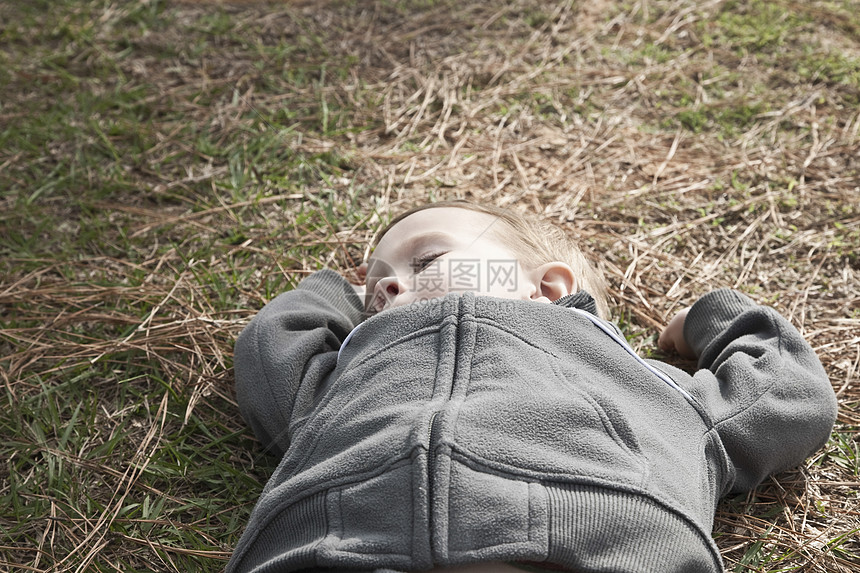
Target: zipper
433, 438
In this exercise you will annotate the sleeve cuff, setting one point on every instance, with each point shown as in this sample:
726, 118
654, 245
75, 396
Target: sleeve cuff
711, 315
335, 289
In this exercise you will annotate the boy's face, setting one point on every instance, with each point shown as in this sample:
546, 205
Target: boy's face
440, 250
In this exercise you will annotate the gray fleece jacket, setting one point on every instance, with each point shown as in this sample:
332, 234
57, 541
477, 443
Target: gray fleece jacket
470, 428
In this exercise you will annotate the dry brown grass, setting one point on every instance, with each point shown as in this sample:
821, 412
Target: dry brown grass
686, 150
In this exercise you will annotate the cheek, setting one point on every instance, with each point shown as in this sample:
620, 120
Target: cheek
519, 294
507, 279
370, 286
428, 285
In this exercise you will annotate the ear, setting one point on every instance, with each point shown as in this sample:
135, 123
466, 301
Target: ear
553, 281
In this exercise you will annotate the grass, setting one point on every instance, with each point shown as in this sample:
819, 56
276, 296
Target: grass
167, 168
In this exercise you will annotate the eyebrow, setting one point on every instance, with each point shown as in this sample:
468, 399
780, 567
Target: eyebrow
418, 241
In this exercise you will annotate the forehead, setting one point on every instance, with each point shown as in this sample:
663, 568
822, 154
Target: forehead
463, 224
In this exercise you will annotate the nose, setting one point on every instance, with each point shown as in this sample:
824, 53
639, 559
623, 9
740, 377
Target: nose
391, 286
386, 290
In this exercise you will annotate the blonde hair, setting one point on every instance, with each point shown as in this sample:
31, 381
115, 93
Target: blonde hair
535, 242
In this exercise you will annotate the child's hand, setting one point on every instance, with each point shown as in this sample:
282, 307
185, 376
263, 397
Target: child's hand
672, 337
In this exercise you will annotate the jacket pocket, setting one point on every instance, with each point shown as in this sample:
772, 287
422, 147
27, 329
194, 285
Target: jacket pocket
524, 410
374, 518
494, 516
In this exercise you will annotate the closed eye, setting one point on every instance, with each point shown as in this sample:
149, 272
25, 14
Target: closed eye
419, 264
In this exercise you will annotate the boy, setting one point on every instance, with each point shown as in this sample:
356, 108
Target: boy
492, 420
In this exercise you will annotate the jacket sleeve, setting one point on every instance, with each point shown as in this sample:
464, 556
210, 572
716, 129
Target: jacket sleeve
762, 385
287, 351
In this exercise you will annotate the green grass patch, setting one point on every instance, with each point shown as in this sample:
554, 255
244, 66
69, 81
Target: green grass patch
729, 121
759, 26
